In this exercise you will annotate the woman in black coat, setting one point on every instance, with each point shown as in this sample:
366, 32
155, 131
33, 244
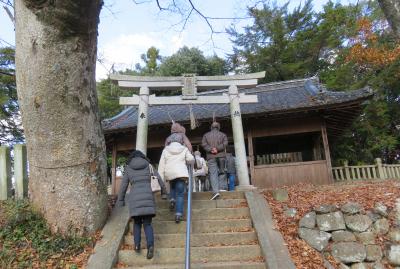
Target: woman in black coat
141, 201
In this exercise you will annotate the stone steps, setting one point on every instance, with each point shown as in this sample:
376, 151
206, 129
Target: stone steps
207, 195
198, 255
222, 236
198, 240
207, 214
198, 204
201, 226
213, 265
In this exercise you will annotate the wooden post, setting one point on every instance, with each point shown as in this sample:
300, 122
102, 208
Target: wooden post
347, 170
5, 173
143, 120
381, 173
238, 138
326, 148
317, 148
114, 169
20, 171
251, 154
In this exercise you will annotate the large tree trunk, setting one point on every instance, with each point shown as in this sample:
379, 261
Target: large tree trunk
391, 9
55, 61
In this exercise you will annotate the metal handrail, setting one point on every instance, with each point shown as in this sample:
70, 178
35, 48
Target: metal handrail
189, 218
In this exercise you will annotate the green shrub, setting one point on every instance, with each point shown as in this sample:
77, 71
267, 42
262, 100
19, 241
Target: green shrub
25, 237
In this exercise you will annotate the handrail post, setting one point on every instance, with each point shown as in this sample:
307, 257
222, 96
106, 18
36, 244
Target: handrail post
5, 173
189, 218
347, 170
381, 172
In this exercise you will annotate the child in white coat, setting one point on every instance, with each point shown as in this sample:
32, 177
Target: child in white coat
173, 168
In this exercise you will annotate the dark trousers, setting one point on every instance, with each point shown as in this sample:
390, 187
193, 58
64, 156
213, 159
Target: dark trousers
217, 175
148, 230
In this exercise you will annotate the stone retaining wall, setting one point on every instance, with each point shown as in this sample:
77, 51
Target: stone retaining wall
355, 237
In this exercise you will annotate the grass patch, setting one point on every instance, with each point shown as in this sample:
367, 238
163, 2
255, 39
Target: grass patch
26, 240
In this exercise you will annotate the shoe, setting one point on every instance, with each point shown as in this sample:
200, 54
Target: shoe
172, 205
178, 218
150, 252
215, 196
137, 249
222, 190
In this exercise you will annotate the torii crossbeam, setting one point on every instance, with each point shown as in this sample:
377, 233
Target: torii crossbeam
189, 84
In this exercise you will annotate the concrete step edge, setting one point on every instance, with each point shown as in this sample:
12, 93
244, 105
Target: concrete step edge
230, 203
199, 196
201, 226
199, 239
211, 265
198, 255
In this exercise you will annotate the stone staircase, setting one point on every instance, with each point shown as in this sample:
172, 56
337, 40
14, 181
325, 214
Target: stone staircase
222, 237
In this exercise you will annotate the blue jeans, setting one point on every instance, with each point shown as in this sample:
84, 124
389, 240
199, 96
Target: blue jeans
148, 230
177, 193
231, 181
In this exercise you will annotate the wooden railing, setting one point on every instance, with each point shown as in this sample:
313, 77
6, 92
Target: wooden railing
279, 158
359, 172
20, 170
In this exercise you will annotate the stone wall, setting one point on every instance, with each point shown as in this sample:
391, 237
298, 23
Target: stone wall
355, 237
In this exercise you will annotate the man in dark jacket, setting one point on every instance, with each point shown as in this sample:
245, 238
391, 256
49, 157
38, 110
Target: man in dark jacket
214, 143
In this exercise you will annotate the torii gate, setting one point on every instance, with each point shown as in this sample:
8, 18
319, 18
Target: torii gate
189, 83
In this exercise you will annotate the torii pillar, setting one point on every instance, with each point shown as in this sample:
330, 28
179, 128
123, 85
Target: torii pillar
189, 84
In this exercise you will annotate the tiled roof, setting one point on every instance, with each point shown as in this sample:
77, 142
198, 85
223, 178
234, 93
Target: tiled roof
287, 96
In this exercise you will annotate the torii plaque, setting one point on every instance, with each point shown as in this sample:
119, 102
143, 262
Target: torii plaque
189, 84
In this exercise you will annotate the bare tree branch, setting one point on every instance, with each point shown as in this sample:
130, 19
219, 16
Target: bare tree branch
186, 20
7, 74
6, 8
7, 43
142, 2
7, 2
159, 6
391, 9
187, 11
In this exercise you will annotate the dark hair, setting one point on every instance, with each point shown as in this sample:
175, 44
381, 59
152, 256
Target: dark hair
136, 154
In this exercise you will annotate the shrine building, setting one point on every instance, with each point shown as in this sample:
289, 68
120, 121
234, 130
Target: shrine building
288, 132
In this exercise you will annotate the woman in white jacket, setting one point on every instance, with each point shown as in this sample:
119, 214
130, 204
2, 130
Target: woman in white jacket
173, 168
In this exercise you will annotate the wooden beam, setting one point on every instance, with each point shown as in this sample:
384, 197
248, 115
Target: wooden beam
177, 85
345, 113
168, 85
327, 152
179, 78
174, 100
203, 82
212, 84
114, 169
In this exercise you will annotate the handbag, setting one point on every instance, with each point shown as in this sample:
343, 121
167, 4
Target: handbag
155, 186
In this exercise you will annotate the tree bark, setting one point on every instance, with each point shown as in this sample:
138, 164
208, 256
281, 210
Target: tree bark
391, 9
56, 44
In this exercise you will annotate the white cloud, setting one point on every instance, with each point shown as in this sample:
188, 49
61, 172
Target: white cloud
124, 51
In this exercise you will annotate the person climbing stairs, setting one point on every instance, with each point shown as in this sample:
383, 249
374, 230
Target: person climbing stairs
222, 237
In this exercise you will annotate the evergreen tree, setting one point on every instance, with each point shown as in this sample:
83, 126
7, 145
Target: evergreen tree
10, 119
349, 47
192, 60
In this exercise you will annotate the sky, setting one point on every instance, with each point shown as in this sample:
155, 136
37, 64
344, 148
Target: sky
129, 27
